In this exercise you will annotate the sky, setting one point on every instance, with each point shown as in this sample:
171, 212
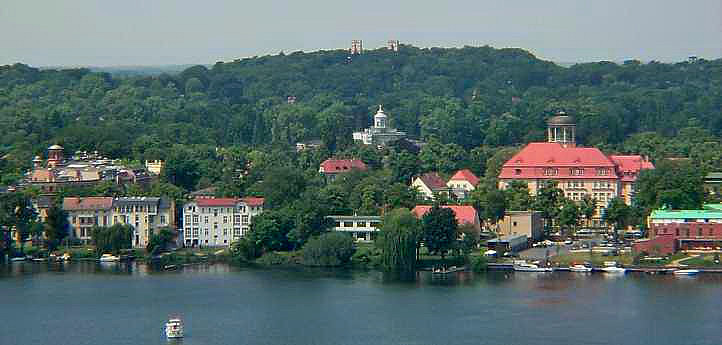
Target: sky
161, 32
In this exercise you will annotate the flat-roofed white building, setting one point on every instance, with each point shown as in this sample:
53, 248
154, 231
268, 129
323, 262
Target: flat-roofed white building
361, 228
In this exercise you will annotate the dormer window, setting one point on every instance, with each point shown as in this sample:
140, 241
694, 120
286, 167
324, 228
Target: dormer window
602, 171
576, 171
517, 171
551, 171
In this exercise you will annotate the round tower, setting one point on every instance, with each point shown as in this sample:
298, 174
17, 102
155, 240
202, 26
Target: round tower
562, 129
55, 156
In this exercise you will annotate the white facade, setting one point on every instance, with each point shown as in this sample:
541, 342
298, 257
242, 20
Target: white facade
211, 222
361, 228
380, 134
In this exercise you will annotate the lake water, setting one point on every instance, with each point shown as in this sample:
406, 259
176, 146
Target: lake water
87, 303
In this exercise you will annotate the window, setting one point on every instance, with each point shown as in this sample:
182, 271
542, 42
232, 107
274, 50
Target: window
576, 172
188, 219
236, 232
244, 219
225, 232
676, 232
337, 224
195, 232
225, 219
602, 171
205, 219
551, 171
195, 219
375, 224
347, 224
206, 232
517, 171
236, 219
513, 224
361, 224
699, 232
162, 219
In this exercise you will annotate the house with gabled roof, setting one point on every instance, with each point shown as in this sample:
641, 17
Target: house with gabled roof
332, 168
464, 214
462, 183
429, 184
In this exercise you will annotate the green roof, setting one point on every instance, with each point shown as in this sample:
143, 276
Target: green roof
713, 176
709, 211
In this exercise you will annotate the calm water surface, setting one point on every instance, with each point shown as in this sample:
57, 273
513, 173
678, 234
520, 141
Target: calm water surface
86, 303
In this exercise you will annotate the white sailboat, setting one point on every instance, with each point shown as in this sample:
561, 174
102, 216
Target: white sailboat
580, 268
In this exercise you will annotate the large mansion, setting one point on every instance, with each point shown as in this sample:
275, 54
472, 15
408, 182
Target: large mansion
579, 171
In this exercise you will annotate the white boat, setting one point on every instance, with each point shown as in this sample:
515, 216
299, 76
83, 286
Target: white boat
580, 269
174, 328
40, 259
686, 272
18, 259
613, 269
109, 258
525, 267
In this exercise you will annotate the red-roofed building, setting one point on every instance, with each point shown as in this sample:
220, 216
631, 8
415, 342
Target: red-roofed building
217, 222
429, 184
331, 168
462, 183
579, 171
464, 214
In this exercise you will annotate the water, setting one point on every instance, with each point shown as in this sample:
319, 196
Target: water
86, 303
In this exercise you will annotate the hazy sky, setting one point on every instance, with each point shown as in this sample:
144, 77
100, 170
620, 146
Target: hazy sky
153, 32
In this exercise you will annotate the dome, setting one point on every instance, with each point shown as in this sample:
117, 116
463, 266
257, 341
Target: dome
55, 147
561, 118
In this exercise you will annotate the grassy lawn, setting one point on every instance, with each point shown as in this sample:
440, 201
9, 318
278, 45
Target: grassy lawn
596, 259
703, 261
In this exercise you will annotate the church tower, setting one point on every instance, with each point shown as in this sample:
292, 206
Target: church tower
562, 129
380, 119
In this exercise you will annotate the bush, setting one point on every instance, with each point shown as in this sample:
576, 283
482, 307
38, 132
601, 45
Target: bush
245, 250
479, 264
366, 256
272, 258
329, 249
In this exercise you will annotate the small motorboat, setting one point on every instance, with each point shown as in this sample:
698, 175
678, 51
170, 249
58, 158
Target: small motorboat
527, 267
18, 259
109, 258
614, 269
580, 269
686, 272
174, 328
40, 259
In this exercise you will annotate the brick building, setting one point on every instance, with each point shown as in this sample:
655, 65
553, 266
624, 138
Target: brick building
673, 230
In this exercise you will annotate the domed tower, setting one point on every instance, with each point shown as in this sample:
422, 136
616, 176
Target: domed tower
562, 129
37, 162
380, 119
55, 156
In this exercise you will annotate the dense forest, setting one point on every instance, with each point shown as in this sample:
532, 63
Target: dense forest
465, 102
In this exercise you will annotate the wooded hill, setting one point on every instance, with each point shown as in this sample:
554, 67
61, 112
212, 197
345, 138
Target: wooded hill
470, 97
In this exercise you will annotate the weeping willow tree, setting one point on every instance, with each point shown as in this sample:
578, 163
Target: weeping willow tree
112, 239
398, 241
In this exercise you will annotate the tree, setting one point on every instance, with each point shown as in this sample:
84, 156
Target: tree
56, 227
518, 197
16, 214
398, 240
112, 239
282, 185
617, 214
549, 202
329, 249
160, 241
568, 215
469, 238
492, 204
439, 226
588, 207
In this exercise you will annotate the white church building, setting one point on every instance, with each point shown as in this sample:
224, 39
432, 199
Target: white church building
379, 134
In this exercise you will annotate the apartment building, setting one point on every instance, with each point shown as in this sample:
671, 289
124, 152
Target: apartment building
217, 222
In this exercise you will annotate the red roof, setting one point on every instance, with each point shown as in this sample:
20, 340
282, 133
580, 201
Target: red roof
228, 202
535, 157
210, 202
465, 175
253, 201
630, 166
433, 180
341, 165
464, 214
87, 203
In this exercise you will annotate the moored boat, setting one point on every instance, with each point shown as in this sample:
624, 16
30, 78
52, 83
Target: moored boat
614, 269
18, 259
174, 328
580, 269
686, 272
109, 258
527, 267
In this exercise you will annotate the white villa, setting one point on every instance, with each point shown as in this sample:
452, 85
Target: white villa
379, 134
